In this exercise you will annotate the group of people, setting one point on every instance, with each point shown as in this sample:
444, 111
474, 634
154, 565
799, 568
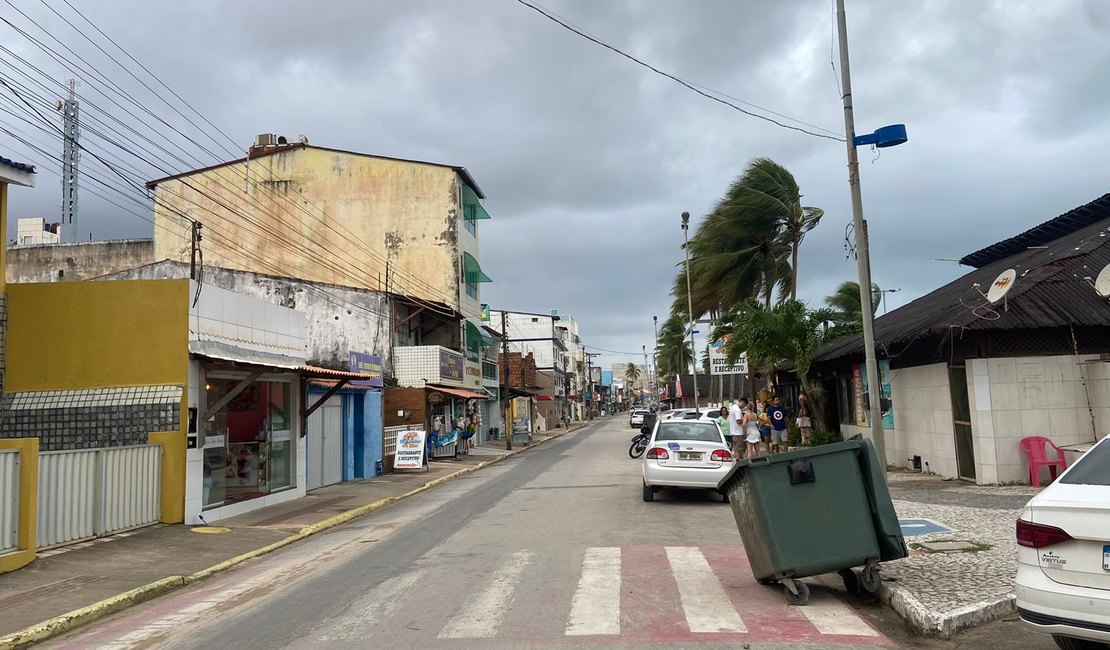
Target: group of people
749, 426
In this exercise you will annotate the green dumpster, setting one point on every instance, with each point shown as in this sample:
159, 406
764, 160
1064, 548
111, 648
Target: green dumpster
812, 511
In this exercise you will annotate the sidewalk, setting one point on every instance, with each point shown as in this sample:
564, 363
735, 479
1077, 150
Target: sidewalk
71, 585
941, 592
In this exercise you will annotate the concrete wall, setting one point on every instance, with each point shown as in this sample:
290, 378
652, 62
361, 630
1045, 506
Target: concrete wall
338, 319
60, 262
323, 216
1011, 398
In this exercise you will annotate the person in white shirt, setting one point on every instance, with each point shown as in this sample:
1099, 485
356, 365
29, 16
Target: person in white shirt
735, 425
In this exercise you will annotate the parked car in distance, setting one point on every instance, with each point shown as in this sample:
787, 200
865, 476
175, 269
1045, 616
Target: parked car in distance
685, 454
1063, 574
636, 417
673, 414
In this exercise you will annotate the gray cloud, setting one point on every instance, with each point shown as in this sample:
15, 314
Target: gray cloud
588, 159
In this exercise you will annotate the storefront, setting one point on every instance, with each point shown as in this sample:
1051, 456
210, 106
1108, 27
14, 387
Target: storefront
451, 416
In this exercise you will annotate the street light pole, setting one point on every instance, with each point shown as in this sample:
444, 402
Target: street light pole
690, 308
647, 371
655, 357
863, 260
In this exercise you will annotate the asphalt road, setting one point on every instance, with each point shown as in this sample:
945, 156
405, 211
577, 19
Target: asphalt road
550, 548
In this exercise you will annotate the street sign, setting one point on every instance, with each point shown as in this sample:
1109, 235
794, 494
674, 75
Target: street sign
718, 362
410, 450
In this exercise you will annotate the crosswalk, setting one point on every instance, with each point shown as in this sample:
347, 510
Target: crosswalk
640, 594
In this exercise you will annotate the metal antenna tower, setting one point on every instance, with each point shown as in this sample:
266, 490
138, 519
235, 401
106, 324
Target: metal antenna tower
71, 154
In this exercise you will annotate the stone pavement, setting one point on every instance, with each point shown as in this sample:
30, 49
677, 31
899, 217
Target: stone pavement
939, 593
71, 585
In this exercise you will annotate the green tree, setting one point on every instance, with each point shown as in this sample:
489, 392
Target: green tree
631, 373
673, 352
845, 310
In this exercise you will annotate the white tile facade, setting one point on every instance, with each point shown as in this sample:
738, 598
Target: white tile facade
246, 322
417, 365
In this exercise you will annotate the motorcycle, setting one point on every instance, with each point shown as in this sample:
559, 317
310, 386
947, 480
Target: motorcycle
639, 444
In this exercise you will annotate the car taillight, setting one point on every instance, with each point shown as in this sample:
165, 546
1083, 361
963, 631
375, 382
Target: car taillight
1039, 535
720, 455
658, 453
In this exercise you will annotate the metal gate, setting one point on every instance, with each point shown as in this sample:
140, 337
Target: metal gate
9, 499
95, 492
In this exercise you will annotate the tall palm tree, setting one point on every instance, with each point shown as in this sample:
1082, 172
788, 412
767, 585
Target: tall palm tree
631, 373
846, 303
673, 351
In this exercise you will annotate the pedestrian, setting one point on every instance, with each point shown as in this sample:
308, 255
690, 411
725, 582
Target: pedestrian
750, 424
780, 426
736, 425
722, 424
805, 424
764, 422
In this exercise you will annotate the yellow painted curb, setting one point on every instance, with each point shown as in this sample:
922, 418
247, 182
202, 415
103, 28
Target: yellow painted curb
78, 617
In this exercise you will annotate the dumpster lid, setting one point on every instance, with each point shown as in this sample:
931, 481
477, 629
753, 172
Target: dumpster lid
853, 443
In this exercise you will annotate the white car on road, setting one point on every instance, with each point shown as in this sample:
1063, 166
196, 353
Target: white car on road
636, 417
685, 454
1063, 536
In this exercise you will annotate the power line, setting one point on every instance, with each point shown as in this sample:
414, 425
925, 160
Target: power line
552, 17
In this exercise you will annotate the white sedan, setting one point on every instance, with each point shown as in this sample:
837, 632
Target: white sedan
636, 417
1063, 536
685, 454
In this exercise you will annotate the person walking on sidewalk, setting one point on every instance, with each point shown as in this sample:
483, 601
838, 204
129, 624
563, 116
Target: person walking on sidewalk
780, 426
722, 424
805, 424
750, 424
736, 426
764, 422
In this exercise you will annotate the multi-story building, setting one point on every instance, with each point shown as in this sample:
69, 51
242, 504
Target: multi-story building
539, 335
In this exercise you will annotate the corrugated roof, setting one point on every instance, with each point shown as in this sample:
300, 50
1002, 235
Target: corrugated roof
1043, 234
1050, 291
461, 171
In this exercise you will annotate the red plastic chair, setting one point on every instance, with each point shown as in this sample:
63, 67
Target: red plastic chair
1035, 450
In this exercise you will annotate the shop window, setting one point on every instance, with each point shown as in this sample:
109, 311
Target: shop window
249, 443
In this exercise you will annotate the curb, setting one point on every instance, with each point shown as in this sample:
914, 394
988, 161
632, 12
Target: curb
927, 622
71, 620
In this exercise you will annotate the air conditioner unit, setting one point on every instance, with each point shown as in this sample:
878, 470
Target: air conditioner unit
264, 139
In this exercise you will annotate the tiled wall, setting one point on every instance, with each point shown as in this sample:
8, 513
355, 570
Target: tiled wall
91, 418
419, 364
1034, 396
248, 322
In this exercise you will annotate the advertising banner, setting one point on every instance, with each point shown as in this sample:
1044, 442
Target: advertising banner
450, 365
410, 450
886, 401
718, 363
857, 391
368, 364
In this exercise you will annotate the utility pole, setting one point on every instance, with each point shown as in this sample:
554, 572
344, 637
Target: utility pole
71, 154
506, 423
863, 257
690, 309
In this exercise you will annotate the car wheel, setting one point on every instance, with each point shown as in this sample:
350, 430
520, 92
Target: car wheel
649, 493
1068, 643
724, 497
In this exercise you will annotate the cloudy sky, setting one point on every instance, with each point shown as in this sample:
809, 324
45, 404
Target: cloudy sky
588, 159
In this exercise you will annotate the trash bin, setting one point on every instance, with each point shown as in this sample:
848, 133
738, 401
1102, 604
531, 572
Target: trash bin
813, 511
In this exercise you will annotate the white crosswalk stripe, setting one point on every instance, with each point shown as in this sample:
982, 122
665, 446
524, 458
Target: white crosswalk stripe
483, 618
374, 607
831, 616
704, 600
596, 607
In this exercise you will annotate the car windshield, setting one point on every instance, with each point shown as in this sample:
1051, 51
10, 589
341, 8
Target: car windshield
1092, 469
704, 431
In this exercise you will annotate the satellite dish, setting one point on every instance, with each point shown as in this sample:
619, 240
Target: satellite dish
1102, 282
1001, 285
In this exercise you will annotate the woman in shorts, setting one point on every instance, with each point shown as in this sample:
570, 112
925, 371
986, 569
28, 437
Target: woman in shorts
751, 432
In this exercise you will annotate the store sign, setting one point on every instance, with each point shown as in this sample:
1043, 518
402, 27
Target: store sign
718, 360
410, 450
473, 374
367, 364
450, 365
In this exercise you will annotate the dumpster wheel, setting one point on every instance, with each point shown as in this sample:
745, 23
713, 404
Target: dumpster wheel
870, 578
796, 591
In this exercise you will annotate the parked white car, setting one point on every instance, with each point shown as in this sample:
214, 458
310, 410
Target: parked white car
1063, 536
685, 454
636, 417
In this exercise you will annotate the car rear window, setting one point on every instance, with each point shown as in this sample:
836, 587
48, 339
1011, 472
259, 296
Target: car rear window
689, 431
1092, 469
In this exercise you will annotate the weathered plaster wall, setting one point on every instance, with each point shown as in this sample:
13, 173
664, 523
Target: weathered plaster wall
61, 262
338, 319
323, 216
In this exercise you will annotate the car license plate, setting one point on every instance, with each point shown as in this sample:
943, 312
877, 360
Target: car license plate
689, 455
1106, 557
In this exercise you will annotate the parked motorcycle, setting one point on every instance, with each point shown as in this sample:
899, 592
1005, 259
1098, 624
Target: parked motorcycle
639, 443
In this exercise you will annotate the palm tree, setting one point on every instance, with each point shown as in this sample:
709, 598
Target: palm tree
631, 374
846, 303
673, 351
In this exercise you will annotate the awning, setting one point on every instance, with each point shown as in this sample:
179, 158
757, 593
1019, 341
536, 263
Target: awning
476, 336
457, 392
227, 352
473, 271
325, 383
317, 371
517, 392
472, 209
544, 398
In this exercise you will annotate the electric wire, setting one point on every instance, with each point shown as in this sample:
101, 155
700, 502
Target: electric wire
566, 25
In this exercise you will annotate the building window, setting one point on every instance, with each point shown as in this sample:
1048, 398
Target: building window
470, 224
472, 210
489, 370
472, 289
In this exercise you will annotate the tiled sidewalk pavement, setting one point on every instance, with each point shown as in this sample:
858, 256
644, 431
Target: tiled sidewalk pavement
940, 593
